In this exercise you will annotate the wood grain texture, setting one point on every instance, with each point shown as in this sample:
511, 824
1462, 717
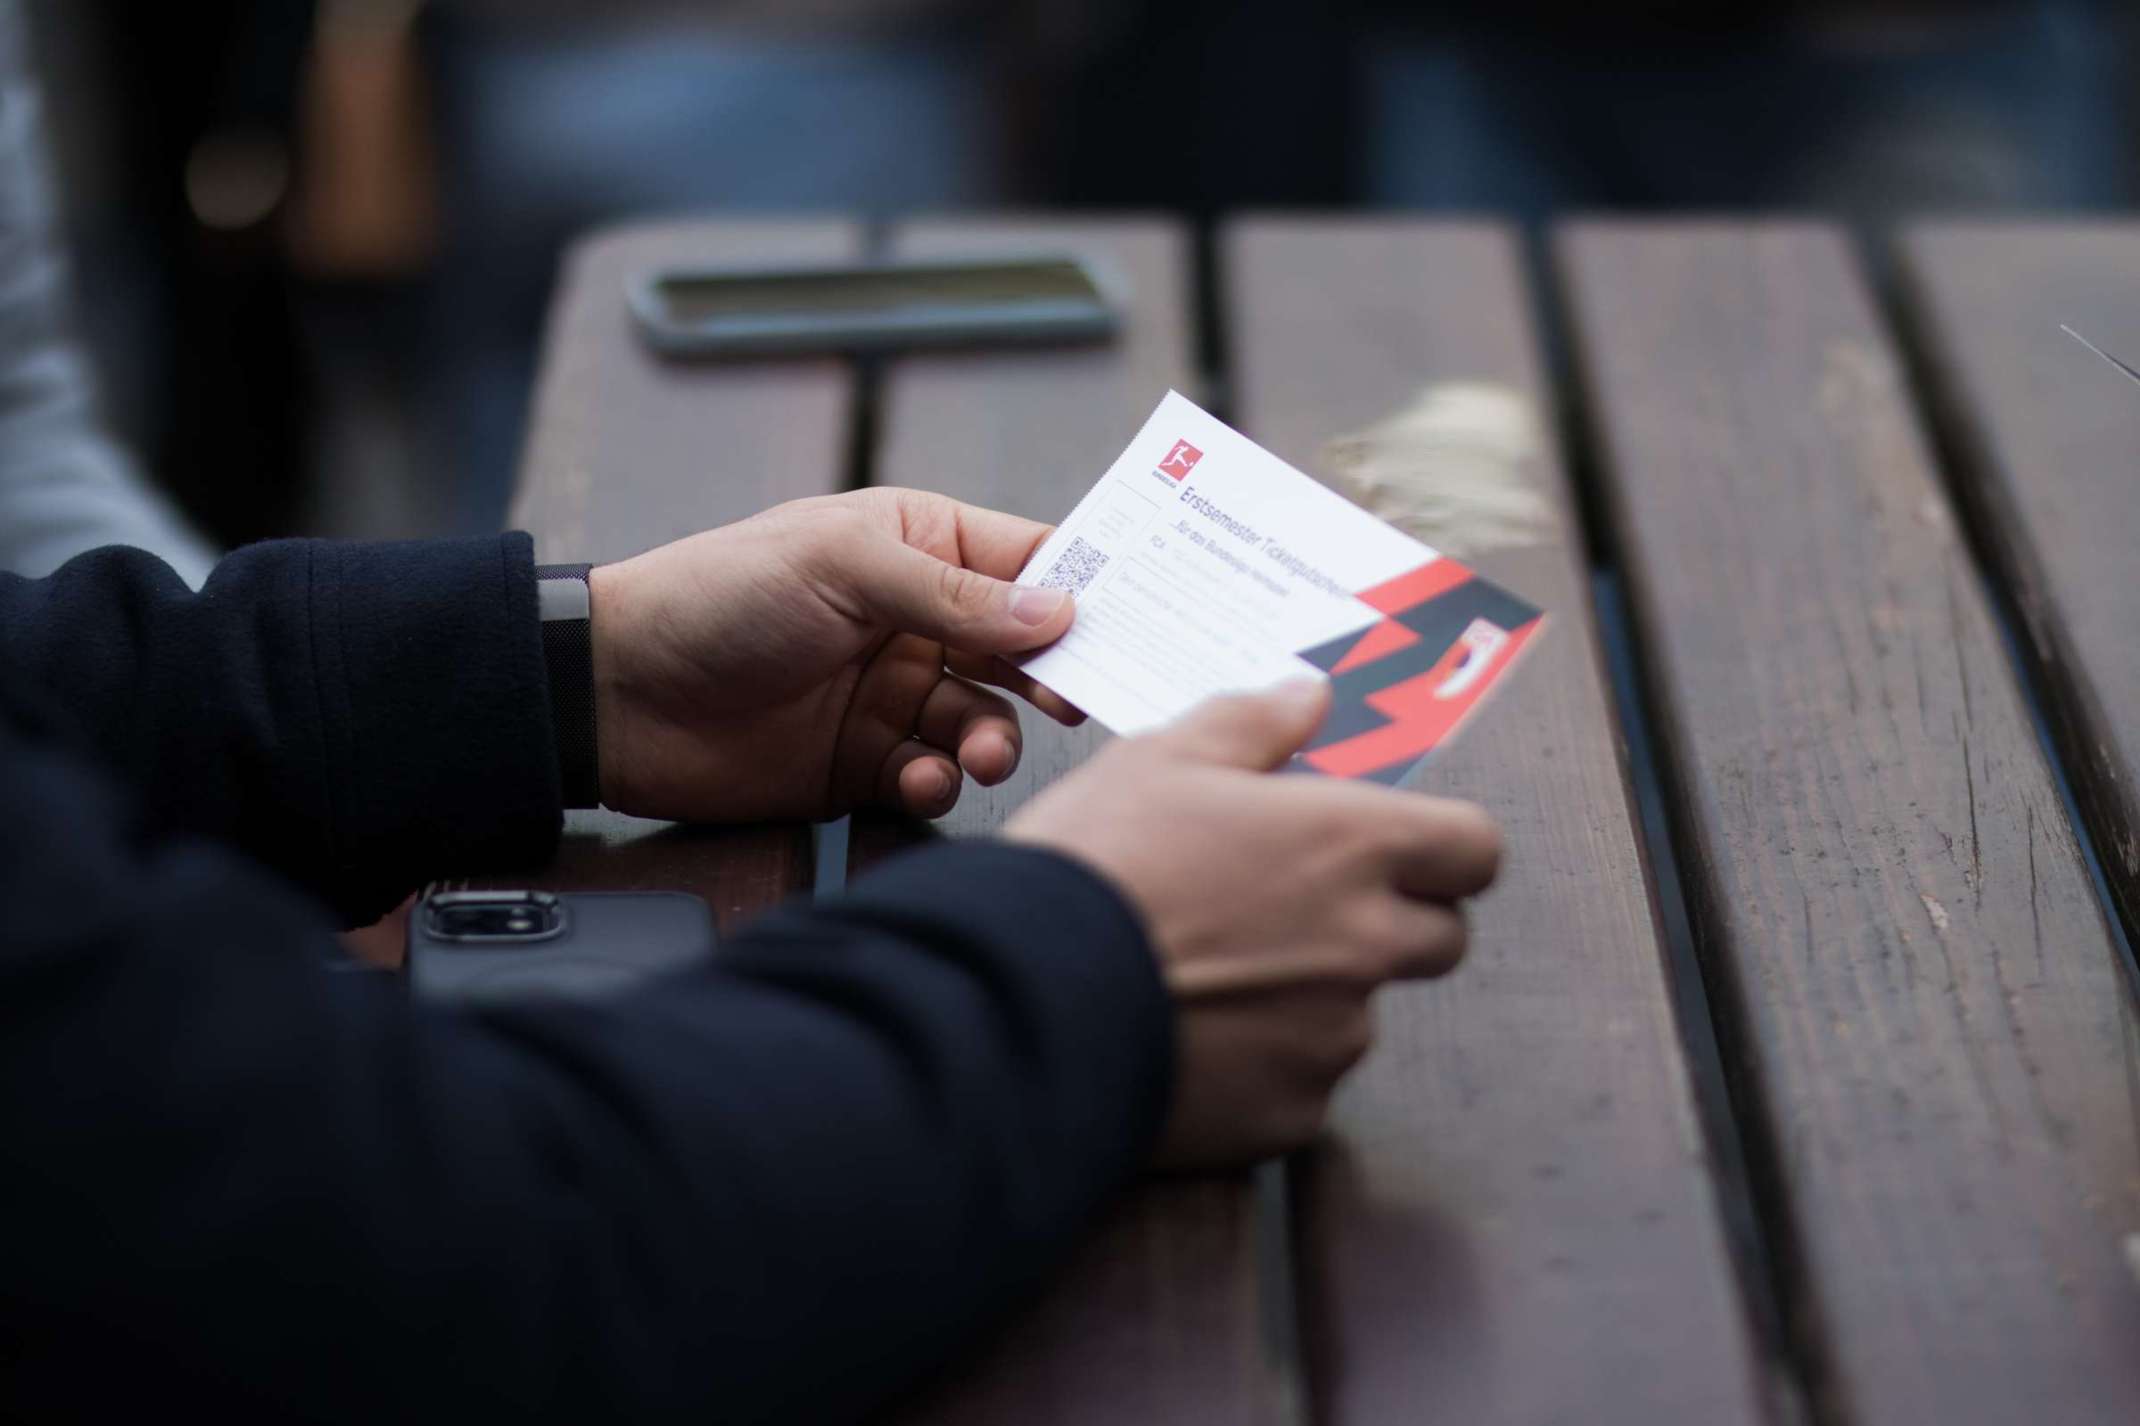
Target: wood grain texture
626, 451
1935, 1051
1151, 1323
2048, 440
1030, 431
1511, 1220
1158, 1318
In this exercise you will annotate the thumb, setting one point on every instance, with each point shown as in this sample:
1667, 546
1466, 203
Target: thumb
1252, 730
914, 592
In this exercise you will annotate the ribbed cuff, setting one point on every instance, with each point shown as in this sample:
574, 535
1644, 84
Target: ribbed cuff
435, 708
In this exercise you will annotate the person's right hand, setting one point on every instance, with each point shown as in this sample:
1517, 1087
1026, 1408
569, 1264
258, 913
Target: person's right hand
1277, 905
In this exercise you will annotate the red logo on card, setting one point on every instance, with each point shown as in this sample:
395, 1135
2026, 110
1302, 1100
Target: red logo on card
1181, 460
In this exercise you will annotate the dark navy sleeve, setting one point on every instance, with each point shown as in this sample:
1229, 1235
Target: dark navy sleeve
781, 1188
359, 717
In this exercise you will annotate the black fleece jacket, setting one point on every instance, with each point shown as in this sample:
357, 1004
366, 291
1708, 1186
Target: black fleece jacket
781, 1188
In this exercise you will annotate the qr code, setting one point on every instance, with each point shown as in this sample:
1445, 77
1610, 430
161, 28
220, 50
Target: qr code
1074, 567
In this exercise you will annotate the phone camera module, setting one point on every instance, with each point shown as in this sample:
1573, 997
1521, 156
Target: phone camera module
510, 916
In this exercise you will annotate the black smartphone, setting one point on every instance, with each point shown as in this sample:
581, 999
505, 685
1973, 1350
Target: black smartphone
716, 312
479, 947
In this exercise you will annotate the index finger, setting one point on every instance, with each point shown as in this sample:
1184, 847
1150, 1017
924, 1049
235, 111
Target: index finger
1442, 848
993, 542
1430, 848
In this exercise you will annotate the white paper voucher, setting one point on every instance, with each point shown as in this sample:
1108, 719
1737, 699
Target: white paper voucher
1203, 564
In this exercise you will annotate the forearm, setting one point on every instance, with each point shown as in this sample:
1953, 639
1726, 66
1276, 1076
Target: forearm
777, 1190
357, 716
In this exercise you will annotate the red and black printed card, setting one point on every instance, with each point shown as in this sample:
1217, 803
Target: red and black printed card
1203, 564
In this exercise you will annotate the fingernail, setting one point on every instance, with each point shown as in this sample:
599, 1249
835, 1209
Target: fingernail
1009, 755
1035, 606
939, 784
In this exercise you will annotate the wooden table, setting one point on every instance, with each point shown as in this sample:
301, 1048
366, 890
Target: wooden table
1811, 1095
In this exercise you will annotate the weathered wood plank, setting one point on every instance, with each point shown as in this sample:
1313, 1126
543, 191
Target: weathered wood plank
626, 451
1512, 1220
1154, 1321
1158, 1318
1030, 431
2048, 443
1918, 992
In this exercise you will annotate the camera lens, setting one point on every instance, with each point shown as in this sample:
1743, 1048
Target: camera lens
503, 916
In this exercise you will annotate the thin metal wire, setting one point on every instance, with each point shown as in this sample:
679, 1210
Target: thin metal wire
2134, 376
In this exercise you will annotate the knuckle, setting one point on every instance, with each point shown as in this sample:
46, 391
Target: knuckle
1398, 837
1355, 827
829, 526
1471, 838
838, 515
962, 592
1383, 935
1481, 834
1131, 768
837, 539
882, 506
1333, 839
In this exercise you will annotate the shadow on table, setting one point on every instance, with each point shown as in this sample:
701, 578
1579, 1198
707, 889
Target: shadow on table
740, 871
873, 836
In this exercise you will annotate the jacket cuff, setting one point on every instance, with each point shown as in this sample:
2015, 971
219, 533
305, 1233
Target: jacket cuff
435, 708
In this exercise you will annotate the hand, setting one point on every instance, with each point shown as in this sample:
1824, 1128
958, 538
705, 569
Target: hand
822, 656
1277, 905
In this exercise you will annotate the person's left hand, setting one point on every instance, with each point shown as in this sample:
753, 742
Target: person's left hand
824, 655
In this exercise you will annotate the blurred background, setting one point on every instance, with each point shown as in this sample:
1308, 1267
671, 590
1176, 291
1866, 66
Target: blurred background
315, 238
